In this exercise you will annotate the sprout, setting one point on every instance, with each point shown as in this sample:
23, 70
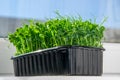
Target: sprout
54, 32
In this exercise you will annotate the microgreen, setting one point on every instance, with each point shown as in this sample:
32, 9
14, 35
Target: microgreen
58, 31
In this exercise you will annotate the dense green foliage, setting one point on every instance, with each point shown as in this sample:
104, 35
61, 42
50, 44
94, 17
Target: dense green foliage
57, 32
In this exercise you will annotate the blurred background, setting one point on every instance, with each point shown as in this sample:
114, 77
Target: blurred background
13, 13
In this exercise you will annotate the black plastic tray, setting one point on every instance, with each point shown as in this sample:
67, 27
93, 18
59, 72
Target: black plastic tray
85, 61
45, 62
64, 60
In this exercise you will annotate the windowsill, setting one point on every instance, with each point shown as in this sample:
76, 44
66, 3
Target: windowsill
103, 77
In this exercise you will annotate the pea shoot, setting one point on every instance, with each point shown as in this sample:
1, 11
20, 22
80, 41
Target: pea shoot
58, 31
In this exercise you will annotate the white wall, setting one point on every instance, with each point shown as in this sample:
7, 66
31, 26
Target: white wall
5, 56
111, 63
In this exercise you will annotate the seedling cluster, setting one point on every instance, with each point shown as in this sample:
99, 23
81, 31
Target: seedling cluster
54, 32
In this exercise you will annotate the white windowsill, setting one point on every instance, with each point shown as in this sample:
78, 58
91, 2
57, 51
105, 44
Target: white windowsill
103, 77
